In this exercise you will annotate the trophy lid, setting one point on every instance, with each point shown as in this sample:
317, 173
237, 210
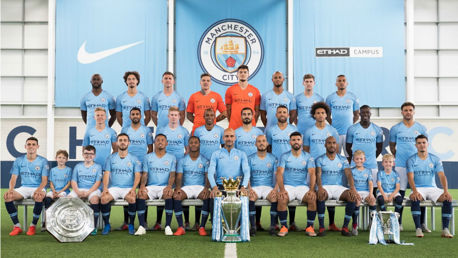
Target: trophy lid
231, 184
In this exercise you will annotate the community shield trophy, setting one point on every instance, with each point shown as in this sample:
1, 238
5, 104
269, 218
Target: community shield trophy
231, 207
69, 220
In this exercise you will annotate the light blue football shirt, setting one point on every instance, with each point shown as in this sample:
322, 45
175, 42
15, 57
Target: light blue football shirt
296, 168
193, 170
424, 171
124, 103
361, 178
60, 177
90, 102
303, 107
161, 104
262, 171
342, 110
210, 141
246, 141
229, 165
315, 138
332, 171
139, 140
388, 181
365, 139
86, 177
404, 137
279, 139
270, 101
122, 170
102, 141
177, 140
30, 172
159, 169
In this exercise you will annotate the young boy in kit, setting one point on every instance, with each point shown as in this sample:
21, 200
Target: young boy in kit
388, 183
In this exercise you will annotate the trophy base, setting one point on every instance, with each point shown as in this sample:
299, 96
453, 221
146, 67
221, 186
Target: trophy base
232, 239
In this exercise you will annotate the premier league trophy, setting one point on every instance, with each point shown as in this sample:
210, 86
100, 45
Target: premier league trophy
69, 220
231, 207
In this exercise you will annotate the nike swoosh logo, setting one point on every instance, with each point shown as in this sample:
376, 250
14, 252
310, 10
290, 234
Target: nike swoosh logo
86, 58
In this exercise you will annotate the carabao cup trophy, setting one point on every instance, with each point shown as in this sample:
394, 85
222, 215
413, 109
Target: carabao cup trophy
384, 228
231, 207
389, 229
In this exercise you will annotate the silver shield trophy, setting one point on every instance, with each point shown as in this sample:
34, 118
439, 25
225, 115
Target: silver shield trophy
70, 220
231, 207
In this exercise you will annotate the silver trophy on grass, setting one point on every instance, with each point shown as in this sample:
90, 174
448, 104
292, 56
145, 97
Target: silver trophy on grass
231, 207
69, 220
388, 229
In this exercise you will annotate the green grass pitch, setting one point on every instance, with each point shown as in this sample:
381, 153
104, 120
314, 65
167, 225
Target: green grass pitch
156, 244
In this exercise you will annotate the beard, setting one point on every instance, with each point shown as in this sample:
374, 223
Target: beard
262, 148
246, 121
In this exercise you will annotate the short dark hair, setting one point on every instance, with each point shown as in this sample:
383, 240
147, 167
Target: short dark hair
282, 106
205, 74
421, 136
308, 76
134, 73
318, 105
160, 134
193, 137
406, 104
341, 75
122, 134
31, 138
89, 148
295, 134
364, 107
168, 73
246, 108
135, 109
63, 152
243, 67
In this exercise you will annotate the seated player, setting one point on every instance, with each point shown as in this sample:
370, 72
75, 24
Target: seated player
191, 183
86, 179
421, 170
388, 184
262, 166
33, 170
292, 171
362, 177
330, 168
120, 181
59, 179
157, 182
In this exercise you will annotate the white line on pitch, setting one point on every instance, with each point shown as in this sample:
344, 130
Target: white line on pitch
230, 250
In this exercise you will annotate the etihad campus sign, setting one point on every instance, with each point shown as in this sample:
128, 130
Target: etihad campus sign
226, 45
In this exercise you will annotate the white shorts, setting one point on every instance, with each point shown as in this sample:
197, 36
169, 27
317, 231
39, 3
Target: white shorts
363, 195
334, 191
296, 192
402, 172
155, 191
49, 194
342, 142
192, 191
262, 191
27, 192
430, 193
398, 194
118, 192
374, 177
97, 193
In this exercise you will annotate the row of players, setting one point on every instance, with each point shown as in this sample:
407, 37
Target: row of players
295, 176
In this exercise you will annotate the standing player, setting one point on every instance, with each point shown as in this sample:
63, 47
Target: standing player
163, 100
157, 182
97, 98
59, 179
242, 95
274, 98
191, 183
330, 168
202, 100
141, 143
388, 185
368, 137
262, 182
362, 178
210, 135
292, 171
33, 170
344, 109
304, 101
86, 180
247, 133
402, 146
130, 99
177, 135
103, 138
316, 136
422, 168
120, 181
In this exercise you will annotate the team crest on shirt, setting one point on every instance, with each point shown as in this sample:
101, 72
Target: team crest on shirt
215, 135
37, 168
328, 134
166, 163
304, 163
107, 136
227, 44
372, 133
102, 99
366, 175
392, 179
417, 132
174, 100
94, 170
253, 136
269, 164
201, 165
339, 165
142, 135
431, 165
180, 136
212, 100
139, 101
129, 164
236, 157
348, 101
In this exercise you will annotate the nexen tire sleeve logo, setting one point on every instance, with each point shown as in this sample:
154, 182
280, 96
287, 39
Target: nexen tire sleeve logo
226, 45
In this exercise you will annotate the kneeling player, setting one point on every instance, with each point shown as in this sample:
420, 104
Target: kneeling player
292, 171
86, 179
330, 168
263, 166
157, 183
363, 183
122, 174
421, 170
388, 184
33, 170
191, 183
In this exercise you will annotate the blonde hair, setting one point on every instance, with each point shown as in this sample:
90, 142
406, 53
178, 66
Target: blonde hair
100, 109
387, 156
173, 108
359, 153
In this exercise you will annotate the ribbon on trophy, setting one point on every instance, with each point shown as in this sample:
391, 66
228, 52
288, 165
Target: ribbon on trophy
245, 224
217, 226
385, 224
